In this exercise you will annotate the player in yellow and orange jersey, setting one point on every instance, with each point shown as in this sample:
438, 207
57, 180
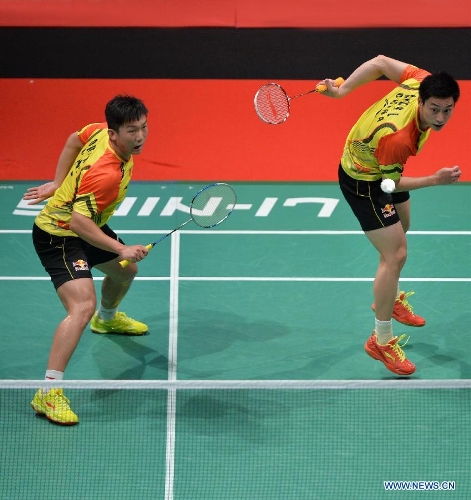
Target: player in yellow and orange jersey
377, 147
71, 236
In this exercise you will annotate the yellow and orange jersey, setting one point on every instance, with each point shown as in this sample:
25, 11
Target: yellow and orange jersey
94, 186
387, 133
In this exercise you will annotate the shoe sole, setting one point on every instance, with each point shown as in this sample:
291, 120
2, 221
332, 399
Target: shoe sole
377, 357
408, 324
101, 332
60, 423
41, 413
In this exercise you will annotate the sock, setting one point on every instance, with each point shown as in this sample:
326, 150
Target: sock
52, 375
106, 314
383, 330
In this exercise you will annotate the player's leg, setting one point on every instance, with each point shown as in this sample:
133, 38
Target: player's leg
117, 282
403, 311
79, 300
115, 286
403, 210
64, 260
391, 244
380, 222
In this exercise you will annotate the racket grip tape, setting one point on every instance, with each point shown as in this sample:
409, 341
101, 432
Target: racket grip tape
124, 263
337, 82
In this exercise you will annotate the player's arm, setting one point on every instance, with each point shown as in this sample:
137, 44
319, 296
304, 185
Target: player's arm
86, 229
69, 153
446, 175
368, 72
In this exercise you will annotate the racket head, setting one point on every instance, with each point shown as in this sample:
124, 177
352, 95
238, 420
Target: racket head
213, 204
272, 103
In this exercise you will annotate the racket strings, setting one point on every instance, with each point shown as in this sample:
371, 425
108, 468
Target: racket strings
272, 103
213, 205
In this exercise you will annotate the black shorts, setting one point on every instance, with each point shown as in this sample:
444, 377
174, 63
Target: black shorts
68, 258
372, 207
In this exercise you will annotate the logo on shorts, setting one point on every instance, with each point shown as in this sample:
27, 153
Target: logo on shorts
80, 265
388, 210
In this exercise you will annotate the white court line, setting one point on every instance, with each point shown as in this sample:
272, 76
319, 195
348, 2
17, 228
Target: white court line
246, 278
254, 232
173, 327
172, 366
312, 279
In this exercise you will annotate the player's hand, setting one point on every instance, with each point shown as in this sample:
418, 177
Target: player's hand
332, 90
133, 253
448, 175
37, 194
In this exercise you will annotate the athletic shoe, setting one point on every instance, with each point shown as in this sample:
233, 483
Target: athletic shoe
390, 354
55, 406
119, 324
402, 311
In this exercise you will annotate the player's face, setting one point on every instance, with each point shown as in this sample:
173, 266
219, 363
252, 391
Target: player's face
130, 138
435, 112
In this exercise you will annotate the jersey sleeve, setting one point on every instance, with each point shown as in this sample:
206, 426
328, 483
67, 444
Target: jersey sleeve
86, 132
413, 72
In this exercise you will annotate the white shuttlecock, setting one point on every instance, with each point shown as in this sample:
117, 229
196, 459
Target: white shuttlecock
388, 185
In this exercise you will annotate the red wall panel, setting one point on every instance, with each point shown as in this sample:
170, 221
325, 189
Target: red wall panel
236, 13
207, 129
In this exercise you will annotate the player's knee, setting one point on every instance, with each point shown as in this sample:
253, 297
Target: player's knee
83, 310
125, 274
401, 256
131, 271
118, 274
395, 259
89, 308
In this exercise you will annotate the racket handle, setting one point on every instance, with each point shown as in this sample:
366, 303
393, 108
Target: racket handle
124, 263
323, 87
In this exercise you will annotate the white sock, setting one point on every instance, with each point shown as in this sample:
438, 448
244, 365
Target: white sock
52, 375
106, 314
383, 330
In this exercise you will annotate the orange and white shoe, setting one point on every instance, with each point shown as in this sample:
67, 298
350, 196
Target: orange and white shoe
390, 354
403, 312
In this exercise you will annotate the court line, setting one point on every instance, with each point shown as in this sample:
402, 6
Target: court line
247, 278
172, 367
173, 326
323, 279
256, 232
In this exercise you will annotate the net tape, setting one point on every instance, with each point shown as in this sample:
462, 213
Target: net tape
239, 384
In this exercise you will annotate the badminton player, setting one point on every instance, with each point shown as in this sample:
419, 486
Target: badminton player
71, 236
377, 147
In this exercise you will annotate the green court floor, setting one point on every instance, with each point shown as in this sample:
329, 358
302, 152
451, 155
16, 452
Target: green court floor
281, 291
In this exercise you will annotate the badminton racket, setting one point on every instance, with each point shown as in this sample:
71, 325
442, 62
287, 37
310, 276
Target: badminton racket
272, 102
209, 207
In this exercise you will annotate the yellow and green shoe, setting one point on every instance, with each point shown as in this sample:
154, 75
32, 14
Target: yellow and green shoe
54, 406
119, 324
